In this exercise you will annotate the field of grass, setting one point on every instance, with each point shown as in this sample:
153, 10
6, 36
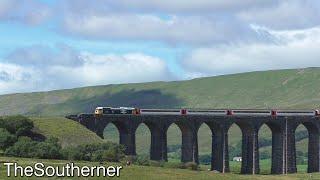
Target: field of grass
145, 172
69, 133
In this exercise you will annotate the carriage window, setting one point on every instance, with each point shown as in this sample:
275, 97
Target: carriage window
106, 110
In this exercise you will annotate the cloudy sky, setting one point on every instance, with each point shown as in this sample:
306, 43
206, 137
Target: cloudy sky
56, 44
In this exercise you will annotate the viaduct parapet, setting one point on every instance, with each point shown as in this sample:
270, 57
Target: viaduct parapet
282, 128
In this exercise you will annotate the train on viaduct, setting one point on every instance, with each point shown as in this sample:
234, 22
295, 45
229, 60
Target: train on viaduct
282, 124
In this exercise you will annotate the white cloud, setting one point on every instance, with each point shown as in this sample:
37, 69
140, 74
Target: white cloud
129, 68
95, 70
163, 6
292, 49
176, 29
289, 14
192, 22
43, 56
17, 78
30, 12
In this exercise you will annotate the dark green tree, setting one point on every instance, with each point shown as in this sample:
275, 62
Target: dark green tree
6, 139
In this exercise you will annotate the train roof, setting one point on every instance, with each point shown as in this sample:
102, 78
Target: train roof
102, 107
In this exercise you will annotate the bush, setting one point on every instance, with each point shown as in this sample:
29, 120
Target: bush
95, 152
205, 159
191, 166
6, 139
156, 163
18, 125
142, 160
49, 149
25, 147
72, 153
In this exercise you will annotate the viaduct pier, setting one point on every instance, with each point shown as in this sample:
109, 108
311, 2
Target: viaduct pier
282, 127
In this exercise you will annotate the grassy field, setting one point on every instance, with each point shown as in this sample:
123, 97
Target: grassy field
144, 172
69, 133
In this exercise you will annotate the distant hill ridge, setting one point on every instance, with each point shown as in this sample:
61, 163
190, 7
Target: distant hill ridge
292, 89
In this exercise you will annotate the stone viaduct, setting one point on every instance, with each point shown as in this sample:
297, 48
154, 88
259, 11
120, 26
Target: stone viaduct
282, 128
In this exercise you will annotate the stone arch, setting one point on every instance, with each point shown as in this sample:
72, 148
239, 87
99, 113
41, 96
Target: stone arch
173, 139
313, 145
111, 133
205, 135
189, 140
235, 145
143, 138
265, 148
120, 125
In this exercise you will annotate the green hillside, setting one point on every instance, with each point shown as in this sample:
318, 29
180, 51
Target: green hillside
297, 88
69, 133
134, 172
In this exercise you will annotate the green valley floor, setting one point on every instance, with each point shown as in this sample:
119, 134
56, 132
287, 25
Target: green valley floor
143, 172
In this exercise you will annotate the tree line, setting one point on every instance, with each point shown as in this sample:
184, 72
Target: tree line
18, 139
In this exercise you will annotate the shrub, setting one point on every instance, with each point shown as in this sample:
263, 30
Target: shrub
156, 163
18, 125
72, 153
49, 149
191, 166
205, 159
25, 147
142, 160
95, 152
6, 139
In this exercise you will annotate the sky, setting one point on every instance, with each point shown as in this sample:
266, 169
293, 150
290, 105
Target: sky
57, 44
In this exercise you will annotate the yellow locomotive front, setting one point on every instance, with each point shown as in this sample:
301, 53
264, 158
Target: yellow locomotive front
99, 111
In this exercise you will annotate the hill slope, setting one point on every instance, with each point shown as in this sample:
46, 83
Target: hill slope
296, 88
69, 133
